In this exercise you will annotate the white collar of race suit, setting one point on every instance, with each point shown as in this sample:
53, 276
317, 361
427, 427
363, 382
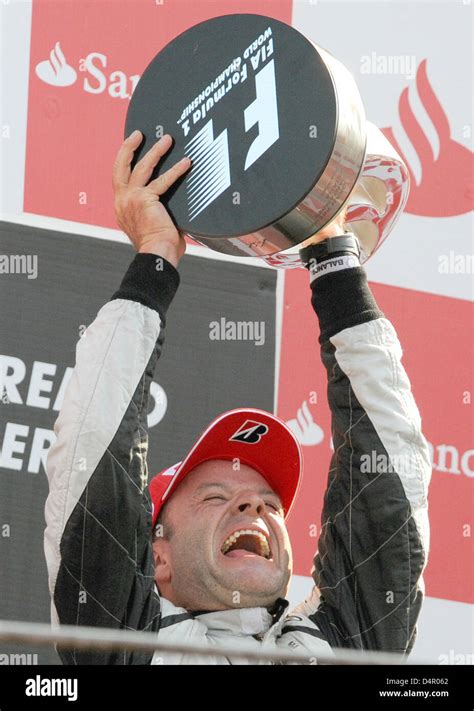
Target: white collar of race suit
244, 621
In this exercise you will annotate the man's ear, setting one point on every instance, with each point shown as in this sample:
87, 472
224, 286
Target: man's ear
161, 555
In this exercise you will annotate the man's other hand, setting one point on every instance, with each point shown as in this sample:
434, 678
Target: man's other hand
333, 229
138, 209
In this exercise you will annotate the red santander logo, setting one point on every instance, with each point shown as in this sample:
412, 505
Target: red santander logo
57, 71
445, 188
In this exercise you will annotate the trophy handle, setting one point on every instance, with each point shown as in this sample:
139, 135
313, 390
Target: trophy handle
375, 203
380, 194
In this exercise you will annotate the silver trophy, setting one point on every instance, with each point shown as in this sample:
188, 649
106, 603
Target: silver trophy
276, 130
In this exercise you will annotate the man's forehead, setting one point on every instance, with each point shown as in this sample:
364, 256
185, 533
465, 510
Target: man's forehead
227, 475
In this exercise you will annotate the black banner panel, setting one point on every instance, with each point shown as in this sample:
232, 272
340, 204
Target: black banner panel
219, 353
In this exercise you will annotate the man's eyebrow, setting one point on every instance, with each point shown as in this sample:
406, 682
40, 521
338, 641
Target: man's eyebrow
270, 492
209, 485
221, 485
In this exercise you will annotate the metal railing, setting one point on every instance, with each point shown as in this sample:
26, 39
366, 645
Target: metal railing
98, 638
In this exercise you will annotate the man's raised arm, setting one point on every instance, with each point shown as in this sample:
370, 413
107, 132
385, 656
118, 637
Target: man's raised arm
374, 540
98, 512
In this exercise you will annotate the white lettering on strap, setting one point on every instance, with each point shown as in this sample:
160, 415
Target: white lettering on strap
335, 264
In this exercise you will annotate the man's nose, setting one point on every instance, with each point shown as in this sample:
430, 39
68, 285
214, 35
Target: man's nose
250, 502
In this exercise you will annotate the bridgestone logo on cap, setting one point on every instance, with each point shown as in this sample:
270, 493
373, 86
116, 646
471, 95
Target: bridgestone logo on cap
250, 432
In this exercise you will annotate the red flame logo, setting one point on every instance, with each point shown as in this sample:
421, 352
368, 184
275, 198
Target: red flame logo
446, 186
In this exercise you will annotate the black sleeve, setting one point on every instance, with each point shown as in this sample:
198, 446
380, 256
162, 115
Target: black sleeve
98, 512
374, 541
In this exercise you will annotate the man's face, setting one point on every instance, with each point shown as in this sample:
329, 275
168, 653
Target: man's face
209, 563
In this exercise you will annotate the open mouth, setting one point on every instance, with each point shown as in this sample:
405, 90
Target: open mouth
246, 543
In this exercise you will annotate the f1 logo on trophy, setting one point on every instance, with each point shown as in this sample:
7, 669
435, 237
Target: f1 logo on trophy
276, 131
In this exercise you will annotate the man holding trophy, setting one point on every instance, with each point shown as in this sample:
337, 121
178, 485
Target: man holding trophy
202, 555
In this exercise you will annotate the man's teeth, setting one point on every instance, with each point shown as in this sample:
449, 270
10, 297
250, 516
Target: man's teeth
264, 547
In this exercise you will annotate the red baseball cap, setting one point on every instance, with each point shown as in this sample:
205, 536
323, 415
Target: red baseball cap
254, 437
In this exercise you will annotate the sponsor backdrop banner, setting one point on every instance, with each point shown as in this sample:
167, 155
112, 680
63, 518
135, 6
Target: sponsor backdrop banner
421, 98
85, 60
408, 91
436, 339
204, 370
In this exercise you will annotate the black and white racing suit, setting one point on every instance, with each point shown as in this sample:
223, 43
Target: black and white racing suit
375, 537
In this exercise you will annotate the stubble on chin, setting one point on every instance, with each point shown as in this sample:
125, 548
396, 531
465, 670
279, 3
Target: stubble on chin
238, 590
